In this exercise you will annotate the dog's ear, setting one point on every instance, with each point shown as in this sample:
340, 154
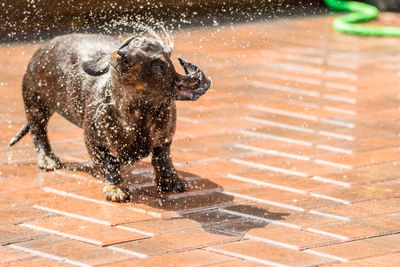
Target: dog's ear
192, 85
97, 66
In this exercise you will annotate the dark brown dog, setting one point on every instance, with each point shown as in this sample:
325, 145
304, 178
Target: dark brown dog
122, 95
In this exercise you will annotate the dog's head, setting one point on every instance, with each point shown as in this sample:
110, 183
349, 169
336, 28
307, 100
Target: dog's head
144, 65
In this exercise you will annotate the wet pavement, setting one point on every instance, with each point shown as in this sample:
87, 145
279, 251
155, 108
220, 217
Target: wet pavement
292, 159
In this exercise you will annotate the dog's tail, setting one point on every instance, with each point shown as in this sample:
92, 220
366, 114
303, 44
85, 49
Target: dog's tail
24, 130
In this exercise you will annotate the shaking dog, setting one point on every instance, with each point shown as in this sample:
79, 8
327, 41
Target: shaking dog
122, 95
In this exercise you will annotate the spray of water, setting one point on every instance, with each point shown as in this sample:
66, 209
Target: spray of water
155, 30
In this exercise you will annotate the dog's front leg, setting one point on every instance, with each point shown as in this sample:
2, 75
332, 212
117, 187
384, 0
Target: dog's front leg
167, 179
110, 169
112, 175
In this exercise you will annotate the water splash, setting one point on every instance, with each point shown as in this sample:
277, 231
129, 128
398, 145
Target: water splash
155, 30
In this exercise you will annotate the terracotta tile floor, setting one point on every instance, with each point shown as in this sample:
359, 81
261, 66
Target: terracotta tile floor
293, 159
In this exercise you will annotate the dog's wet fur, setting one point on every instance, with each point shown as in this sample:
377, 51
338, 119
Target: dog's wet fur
122, 95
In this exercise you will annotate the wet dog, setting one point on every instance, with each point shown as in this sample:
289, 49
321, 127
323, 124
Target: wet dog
123, 96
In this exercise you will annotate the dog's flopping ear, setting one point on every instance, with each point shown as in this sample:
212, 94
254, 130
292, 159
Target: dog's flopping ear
100, 65
97, 66
192, 85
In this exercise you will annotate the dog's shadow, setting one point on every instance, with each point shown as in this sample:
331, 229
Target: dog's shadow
204, 201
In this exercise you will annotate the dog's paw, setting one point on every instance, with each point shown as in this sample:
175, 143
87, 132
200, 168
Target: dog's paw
48, 162
175, 185
115, 194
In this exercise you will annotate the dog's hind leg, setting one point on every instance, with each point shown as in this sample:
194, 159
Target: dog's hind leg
38, 115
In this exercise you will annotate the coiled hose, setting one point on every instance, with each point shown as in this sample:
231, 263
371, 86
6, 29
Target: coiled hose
359, 12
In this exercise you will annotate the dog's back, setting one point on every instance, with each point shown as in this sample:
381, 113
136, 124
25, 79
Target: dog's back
55, 75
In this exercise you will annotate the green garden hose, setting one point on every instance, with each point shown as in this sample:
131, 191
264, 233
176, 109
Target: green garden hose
360, 12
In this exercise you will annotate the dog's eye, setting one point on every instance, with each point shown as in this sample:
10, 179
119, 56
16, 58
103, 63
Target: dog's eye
158, 69
123, 56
